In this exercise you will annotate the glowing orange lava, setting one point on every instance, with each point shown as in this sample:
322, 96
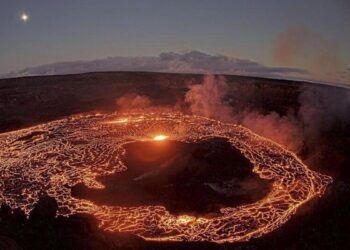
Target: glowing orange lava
55, 156
160, 137
119, 121
185, 219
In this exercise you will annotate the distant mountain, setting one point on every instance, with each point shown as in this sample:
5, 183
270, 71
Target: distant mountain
189, 62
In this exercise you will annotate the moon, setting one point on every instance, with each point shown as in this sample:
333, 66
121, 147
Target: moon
24, 17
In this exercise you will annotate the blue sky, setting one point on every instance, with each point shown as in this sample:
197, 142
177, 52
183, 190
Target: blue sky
68, 30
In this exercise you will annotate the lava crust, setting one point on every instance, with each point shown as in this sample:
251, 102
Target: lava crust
54, 157
196, 179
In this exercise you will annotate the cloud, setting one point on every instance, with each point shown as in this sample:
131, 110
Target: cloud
189, 62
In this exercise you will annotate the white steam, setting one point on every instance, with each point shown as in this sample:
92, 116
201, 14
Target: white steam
319, 109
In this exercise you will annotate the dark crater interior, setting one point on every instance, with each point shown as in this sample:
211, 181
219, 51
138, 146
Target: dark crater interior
192, 178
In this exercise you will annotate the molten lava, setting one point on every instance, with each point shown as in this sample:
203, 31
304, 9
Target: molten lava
160, 137
55, 156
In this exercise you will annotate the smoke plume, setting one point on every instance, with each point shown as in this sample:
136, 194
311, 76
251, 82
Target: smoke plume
319, 109
322, 108
207, 99
299, 46
132, 101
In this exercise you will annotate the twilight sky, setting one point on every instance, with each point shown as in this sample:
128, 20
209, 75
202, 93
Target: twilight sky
312, 35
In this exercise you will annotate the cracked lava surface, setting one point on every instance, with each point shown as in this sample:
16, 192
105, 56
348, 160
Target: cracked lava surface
52, 157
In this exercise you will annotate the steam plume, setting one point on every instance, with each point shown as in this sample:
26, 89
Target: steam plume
132, 101
307, 49
319, 110
207, 99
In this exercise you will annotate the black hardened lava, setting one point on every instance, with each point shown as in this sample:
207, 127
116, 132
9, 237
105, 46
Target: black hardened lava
184, 177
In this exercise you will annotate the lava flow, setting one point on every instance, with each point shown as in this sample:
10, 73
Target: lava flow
51, 158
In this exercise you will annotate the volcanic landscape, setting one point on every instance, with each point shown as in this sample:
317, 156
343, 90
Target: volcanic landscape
58, 155
157, 172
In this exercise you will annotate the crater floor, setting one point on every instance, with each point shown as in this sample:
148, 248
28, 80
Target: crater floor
192, 178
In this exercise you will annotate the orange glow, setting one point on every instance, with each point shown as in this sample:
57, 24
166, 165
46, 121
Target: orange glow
89, 147
160, 137
185, 219
119, 121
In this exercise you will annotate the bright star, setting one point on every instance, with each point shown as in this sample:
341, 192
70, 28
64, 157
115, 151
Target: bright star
24, 17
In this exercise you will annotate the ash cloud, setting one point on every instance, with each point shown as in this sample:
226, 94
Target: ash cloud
319, 109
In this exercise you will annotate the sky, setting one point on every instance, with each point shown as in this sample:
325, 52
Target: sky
309, 35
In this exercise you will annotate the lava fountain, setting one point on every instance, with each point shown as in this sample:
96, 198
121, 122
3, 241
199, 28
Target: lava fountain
53, 157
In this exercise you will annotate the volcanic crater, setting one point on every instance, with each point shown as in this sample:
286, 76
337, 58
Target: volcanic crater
192, 178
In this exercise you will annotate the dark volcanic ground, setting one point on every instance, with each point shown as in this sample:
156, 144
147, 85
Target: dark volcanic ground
321, 224
30, 100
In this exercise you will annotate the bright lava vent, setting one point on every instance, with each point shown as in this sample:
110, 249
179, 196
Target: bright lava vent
160, 137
